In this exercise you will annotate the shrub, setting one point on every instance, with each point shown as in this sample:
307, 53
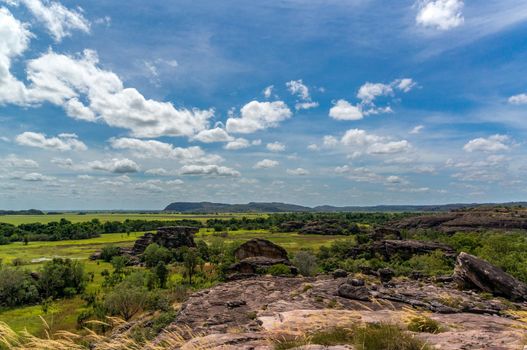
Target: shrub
422, 323
278, 270
17, 287
385, 337
154, 254
109, 251
306, 263
62, 278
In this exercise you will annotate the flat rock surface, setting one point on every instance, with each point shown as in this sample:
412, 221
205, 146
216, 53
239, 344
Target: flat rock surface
247, 314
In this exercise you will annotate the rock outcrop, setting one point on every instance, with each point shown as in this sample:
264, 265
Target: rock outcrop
246, 314
257, 255
404, 249
168, 237
258, 247
474, 273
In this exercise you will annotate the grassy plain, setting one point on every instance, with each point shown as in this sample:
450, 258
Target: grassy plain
63, 313
83, 217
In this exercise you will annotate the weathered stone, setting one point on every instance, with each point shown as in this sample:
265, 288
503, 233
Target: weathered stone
258, 247
382, 233
354, 292
385, 275
474, 273
168, 237
407, 248
253, 265
339, 273
357, 282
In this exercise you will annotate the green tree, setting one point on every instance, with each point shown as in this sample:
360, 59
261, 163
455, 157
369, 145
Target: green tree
154, 254
162, 272
62, 278
191, 260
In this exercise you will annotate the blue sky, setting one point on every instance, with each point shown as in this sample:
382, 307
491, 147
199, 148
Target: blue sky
358, 102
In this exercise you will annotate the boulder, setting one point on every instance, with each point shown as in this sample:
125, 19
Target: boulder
385, 275
253, 265
168, 237
474, 273
258, 247
339, 273
356, 282
354, 292
381, 233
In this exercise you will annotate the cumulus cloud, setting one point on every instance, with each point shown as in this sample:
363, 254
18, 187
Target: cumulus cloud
208, 170
275, 147
266, 164
440, 14
299, 89
15, 40
519, 99
58, 20
257, 115
32, 177
162, 150
297, 172
118, 166
343, 110
63, 142
239, 143
213, 135
362, 141
494, 143
12, 161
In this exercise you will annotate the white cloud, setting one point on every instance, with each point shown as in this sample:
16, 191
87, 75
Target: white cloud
58, 20
330, 141
259, 116
159, 172
394, 179
268, 91
62, 80
417, 129
162, 150
33, 177
275, 147
118, 166
343, 110
297, 88
63, 162
63, 142
297, 172
306, 105
12, 161
176, 182
370, 91
266, 164
313, 147
362, 141
208, 170
440, 14
213, 135
405, 85
15, 40
494, 143
239, 143
342, 169
519, 99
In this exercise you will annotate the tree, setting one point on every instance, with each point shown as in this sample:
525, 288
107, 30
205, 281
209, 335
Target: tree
190, 261
162, 272
154, 254
62, 278
126, 300
306, 263
17, 287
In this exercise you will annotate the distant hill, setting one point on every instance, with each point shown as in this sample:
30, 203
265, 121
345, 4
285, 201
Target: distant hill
22, 212
276, 207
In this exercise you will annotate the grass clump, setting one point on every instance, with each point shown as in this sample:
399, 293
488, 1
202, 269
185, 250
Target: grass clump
367, 337
423, 324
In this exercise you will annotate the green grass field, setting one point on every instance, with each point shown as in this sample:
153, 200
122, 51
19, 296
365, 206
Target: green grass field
65, 311
76, 217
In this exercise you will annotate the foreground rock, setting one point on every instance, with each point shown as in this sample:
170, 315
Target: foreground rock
168, 237
257, 255
474, 273
246, 314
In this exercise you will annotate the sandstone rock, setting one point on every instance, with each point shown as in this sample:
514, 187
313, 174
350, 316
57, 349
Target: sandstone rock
253, 265
339, 273
385, 275
168, 237
381, 233
354, 292
474, 273
357, 282
408, 248
258, 247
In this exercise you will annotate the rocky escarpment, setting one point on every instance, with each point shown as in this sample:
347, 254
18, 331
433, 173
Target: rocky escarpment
404, 249
245, 314
168, 237
474, 219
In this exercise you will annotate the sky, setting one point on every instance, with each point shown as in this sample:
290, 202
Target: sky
340, 102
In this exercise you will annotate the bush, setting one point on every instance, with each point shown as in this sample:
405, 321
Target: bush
385, 337
109, 251
62, 278
154, 254
278, 270
306, 263
17, 287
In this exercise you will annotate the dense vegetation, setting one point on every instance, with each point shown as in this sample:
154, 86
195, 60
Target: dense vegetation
305, 223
